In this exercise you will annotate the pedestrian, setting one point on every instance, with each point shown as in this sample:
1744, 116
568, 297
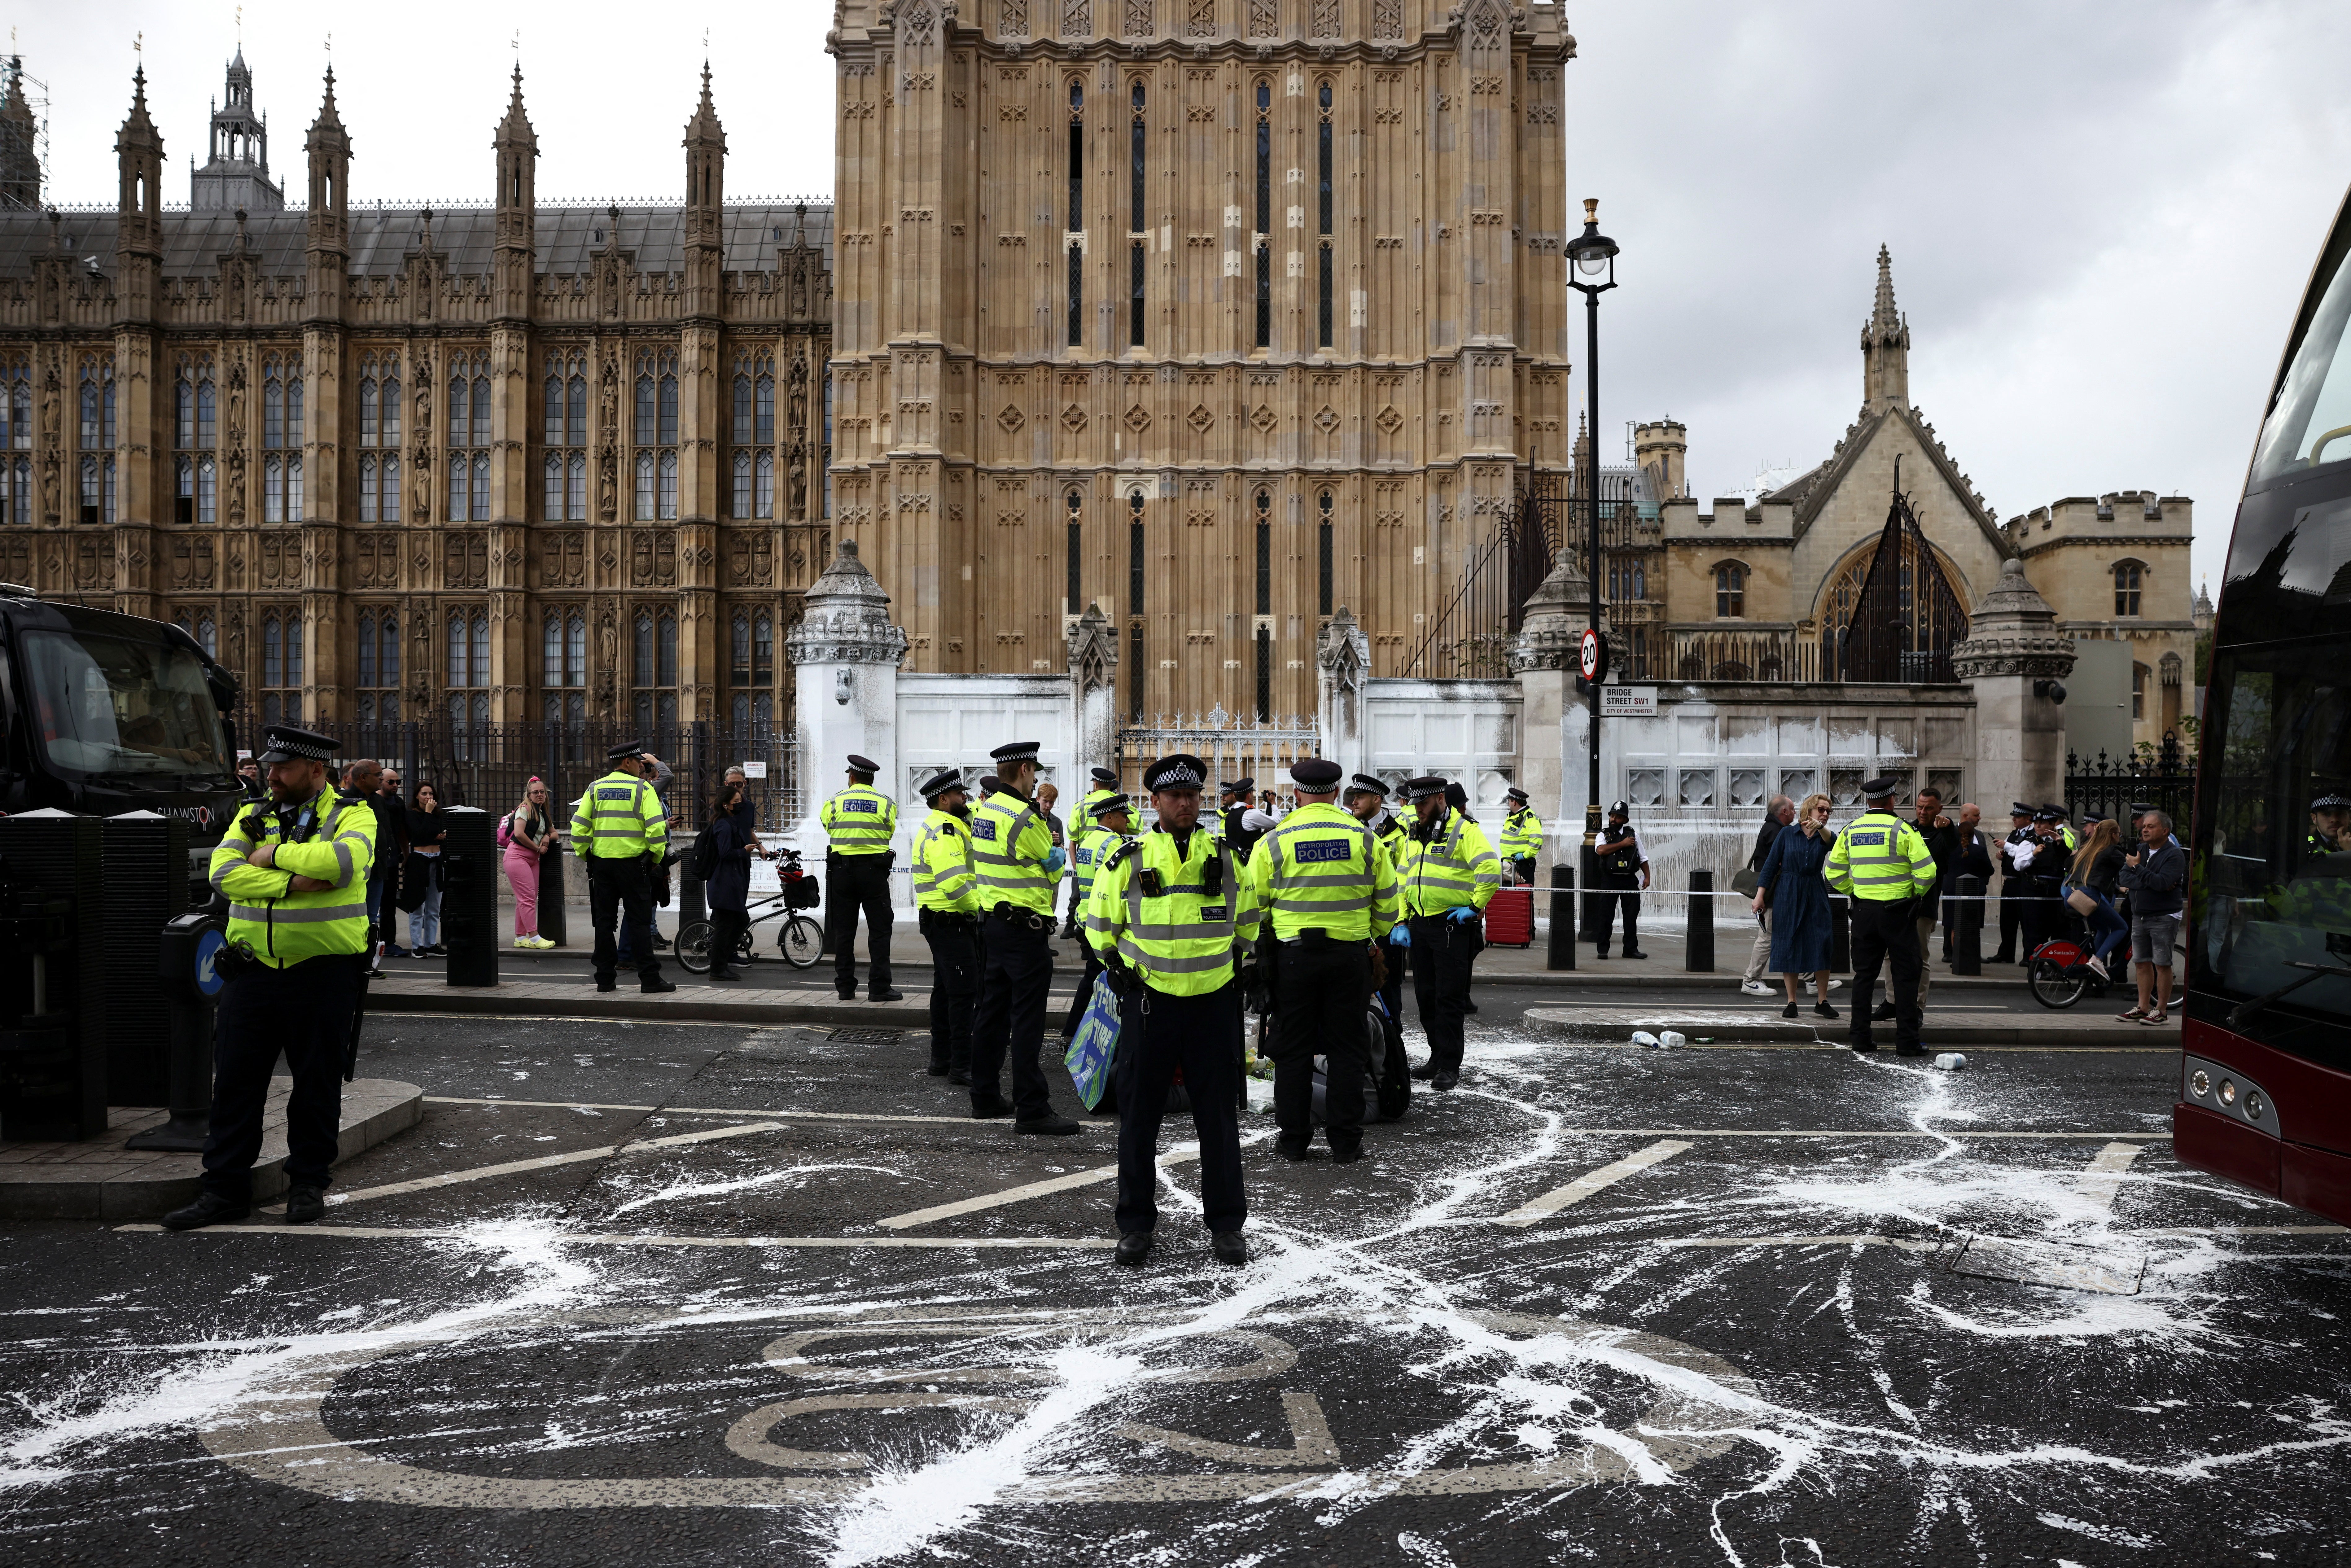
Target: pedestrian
526, 834
1623, 876
946, 912
1111, 825
859, 824
1018, 868
1170, 915
2015, 883
1103, 784
1790, 887
2154, 874
1366, 799
1449, 873
2096, 876
425, 832
1523, 835
1975, 860
363, 782
2052, 846
293, 869
727, 882
658, 775
390, 861
1236, 800
1331, 893
1941, 837
1778, 812
1049, 795
248, 777
747, 813
1880, 862
619, 830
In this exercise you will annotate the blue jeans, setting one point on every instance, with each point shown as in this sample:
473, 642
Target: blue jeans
2107, 929
425, 925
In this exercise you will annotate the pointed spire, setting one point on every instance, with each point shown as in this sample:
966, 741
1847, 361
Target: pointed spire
327, 118
516, 126
704, 126
1886, 346
1885, 320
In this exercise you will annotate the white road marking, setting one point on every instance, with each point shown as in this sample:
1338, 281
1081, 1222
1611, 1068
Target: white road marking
1177, 1156
2104, 1179
683, 1110
1584, 1185
546, 1162
616, 1239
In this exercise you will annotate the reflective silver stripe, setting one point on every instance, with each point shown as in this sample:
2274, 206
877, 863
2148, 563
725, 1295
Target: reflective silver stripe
1324, 879
1157, 964
1321, 906
315, 915
344, 859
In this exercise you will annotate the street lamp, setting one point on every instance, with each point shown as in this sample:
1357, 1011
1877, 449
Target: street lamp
1592, 262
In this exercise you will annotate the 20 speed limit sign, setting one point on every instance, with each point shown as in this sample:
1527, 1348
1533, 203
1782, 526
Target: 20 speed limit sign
1594, 654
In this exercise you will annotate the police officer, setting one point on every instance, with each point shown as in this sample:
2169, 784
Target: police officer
1171, 914
1623, 876
1881, 863
1366, 799
1331, 891
859, 824
1233, 820
1449, 873
946, 904
619, 831
1102, 785
294, 870
2330, 825
1018, 868
2014, 888
1108, 825
1522, 833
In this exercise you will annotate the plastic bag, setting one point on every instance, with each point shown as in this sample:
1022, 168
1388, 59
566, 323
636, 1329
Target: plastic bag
1095, 1045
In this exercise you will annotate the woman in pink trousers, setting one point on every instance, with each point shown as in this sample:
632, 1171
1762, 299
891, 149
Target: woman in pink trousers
529, 829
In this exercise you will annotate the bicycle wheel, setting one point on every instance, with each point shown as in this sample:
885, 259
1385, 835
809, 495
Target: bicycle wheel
802, 942
747, 948
2053, 987
694, 946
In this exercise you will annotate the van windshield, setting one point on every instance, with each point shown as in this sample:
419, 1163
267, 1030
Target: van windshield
110, 705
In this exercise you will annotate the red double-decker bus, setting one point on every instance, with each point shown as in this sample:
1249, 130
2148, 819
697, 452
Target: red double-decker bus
2265, 1068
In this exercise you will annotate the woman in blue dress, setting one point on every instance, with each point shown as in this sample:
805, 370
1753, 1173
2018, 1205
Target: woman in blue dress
1792, 885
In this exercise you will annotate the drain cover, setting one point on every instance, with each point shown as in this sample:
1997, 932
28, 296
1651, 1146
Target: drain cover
2113, 1271
869, 1036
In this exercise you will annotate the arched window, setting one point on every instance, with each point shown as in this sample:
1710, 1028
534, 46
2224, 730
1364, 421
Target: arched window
1264, 335
668, 485
1730, 591
481, 486
469, 427
1323, 546
2140, 673
553, 470
273, 406
203, 409
1073, 601
1137, 222
370, 420
1263, 506
742, 495
1137, 558
645, 400
1075, 246
668, 431
207, 491
763, 648
575, 488
208, 636
763, 486
2129, 578
739, 644
644, 486
1324, 282
97, 404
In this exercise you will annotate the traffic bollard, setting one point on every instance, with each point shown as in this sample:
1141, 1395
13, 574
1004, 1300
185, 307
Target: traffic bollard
1840, 935
1966, 935
469, 896
1561, 952
191, 986
1702, 924
551, 890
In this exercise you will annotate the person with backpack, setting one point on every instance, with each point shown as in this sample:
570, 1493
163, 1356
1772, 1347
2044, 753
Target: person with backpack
525, 835
722, 858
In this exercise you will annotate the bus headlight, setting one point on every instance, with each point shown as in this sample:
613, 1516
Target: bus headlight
2199, 1083
2255, 1106
2228, 1091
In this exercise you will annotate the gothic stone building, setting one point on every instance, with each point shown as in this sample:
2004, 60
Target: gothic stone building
1218, 314
510, 464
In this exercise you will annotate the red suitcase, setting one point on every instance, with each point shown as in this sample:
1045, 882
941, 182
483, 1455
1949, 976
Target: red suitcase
1511, 918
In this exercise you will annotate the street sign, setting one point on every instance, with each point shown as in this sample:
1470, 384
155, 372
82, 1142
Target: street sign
1627, 700
1593, 655
755, 770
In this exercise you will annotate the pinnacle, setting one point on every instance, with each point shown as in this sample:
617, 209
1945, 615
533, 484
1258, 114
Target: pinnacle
1884, 319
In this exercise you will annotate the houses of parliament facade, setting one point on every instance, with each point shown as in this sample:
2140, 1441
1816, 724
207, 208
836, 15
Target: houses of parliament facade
1218, 314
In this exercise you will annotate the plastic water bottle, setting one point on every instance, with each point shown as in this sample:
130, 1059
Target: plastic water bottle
1951, 1062
1673, 1039
1644, 1038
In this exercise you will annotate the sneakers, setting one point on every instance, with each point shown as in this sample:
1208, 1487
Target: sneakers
2098, 968
655, 985
1755, 988
534, 940
1822, 1009
1789, 1011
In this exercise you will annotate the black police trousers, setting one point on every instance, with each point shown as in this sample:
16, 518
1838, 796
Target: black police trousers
955, 980
1611, 891
1442, 951
1395, 1078
2011, 918
622, 890
1321, 990
1085, 996
853, 882
1885, 932
303, 1010
1159, 1033
1010, 1019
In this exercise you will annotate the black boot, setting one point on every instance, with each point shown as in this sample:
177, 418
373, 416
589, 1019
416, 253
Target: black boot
209, 1209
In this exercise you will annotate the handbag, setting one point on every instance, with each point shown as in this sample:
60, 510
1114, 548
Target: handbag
1095, 1045
1742, 882
415, 881
2079, 899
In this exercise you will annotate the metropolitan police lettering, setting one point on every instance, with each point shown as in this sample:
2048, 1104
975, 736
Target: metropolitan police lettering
984, 828
1859, 836
627, 792
861, 803
1314, 850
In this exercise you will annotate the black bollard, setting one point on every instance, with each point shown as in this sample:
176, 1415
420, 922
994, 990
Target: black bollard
1840, 935
551, 890
185, 959
1560, 954
1966, 937
1588, 922
1702, 924
469, 897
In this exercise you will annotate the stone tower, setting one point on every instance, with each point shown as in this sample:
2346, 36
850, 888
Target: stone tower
237, 174
20, 158
1662, 448
1885, 347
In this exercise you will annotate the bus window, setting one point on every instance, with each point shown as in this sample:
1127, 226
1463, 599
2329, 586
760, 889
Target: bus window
2310, 424
115, 706
2275, 888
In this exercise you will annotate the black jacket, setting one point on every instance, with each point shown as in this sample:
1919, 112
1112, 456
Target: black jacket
1943, 844
1763, 837
1975, 858
2157, 883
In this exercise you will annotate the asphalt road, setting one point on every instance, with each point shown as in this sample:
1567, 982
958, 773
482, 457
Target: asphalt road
1742, 1305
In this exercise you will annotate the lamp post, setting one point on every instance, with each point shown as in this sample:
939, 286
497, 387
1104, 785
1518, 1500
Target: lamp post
1592, 263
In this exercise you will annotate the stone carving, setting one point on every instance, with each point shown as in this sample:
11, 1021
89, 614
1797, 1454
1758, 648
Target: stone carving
1326, 18
1200, 419
1010, 418
1138, 419
1094, 650
1346, 654
1073, 420
1140, 23
846, 618
1387, 19
1200, 21
1012, 18
1552, 625
1264, 18
466, 559
1077, 19
2013, 633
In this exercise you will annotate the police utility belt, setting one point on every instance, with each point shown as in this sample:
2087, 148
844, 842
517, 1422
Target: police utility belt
1013, 915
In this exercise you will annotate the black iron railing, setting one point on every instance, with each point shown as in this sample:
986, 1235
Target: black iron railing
2163, 777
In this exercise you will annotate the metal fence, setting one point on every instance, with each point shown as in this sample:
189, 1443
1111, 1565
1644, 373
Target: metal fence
1470, 636
2163, 777
1773, 657
1232, 746
489, 765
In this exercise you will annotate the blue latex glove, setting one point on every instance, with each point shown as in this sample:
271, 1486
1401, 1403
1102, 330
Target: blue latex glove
1400, 936
1461, 915
1054, 860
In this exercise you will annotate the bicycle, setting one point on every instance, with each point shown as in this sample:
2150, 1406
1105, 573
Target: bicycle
799, 939
2058, 974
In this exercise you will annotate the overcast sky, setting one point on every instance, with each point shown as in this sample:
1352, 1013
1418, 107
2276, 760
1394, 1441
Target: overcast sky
2101, 215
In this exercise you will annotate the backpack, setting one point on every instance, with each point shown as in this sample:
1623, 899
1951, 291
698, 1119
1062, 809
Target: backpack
701, 855
506, 830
